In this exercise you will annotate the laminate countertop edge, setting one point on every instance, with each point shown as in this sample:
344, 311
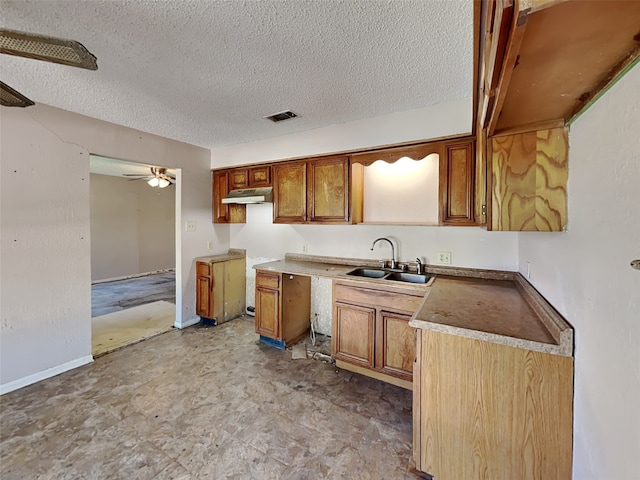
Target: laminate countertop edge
557, 333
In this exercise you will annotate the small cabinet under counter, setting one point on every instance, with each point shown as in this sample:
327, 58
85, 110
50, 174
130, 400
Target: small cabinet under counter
371, 333
220, 287
283, 307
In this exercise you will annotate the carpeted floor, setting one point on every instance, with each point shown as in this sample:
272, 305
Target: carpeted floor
110, 297
115, 330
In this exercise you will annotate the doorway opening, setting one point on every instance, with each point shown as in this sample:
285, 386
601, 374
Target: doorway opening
133, 252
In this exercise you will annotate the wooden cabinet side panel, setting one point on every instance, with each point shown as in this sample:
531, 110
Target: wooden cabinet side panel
296, 306
289, 193
529, 181
396, 349
353, 334
328, 190
234, 288
217, 292
417, 401
489, 411
268, 313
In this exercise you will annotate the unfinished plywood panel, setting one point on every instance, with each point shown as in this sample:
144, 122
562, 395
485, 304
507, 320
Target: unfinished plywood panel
560, 55
492, 412
529, 181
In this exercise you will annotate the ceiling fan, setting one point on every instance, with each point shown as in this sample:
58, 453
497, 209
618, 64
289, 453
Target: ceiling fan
40, 47
158, 178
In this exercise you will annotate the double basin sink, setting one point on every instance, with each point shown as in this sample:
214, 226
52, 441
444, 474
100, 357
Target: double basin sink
380, 274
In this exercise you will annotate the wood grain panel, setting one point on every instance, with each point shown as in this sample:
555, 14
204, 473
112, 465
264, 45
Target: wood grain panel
203, 292
397, 348
529, 176
296, 307
289, 192
353, 332
328, 190
493, 412
224, 213
268, 280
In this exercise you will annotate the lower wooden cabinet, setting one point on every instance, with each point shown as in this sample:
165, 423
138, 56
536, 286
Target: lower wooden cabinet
371, 333
220, 289
486, 411
283, 307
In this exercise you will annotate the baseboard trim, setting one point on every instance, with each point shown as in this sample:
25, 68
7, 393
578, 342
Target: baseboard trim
48, 373
187, 323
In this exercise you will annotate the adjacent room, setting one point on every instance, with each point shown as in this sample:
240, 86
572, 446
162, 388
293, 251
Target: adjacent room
300, 239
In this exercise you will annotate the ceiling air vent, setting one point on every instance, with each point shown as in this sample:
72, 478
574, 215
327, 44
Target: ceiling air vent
11, 98
280, 116
49, 49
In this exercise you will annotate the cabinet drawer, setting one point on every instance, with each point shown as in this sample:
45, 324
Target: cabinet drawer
268, 280
203, 269
376, 298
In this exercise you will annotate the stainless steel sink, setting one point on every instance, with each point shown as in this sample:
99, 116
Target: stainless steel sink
408, 277
367, 272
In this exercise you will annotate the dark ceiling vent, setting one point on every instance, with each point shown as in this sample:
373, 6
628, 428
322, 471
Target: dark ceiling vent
280, 116
12, 98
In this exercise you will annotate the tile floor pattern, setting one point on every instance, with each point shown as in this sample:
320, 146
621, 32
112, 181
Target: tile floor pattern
206, 402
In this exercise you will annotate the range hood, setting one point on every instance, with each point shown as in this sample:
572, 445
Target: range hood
250, 195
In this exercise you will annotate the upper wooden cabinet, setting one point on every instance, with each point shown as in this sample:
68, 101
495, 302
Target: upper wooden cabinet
544, 61
529, 181
290, 192
314, 191
328, 190
225, 213
250, 177
457, 178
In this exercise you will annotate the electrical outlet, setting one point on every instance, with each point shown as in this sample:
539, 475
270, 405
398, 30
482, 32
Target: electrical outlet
444, 258
191, 226
305, 247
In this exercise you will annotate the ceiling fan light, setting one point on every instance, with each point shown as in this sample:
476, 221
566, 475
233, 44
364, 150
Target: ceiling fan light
154, 182
163, 182
48, 49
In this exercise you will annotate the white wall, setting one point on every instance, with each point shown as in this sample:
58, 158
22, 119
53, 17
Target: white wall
132, 227
45, 302
585, 274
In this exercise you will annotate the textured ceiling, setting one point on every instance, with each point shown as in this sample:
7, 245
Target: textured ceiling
206, 71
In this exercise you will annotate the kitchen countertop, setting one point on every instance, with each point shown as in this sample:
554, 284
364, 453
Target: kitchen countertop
494, 306
232, 254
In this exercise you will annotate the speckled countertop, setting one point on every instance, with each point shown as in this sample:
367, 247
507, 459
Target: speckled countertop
232, 254
494, 306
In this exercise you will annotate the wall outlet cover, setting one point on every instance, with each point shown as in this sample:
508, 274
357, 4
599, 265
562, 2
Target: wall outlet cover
191, 226
444, 258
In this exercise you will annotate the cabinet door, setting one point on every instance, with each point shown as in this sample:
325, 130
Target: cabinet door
353, 332
203, 296
457, 183
289, 193
223, 213
396, 345
239, 178
529, 174
328, 190
260, 176
268, 313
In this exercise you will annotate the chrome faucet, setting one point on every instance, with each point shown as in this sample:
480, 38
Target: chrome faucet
418, 265
393, 250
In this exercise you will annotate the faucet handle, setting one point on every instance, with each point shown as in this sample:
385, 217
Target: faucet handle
383, 263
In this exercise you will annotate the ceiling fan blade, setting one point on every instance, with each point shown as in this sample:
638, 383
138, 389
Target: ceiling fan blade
12, 98
136, 175
48, 49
